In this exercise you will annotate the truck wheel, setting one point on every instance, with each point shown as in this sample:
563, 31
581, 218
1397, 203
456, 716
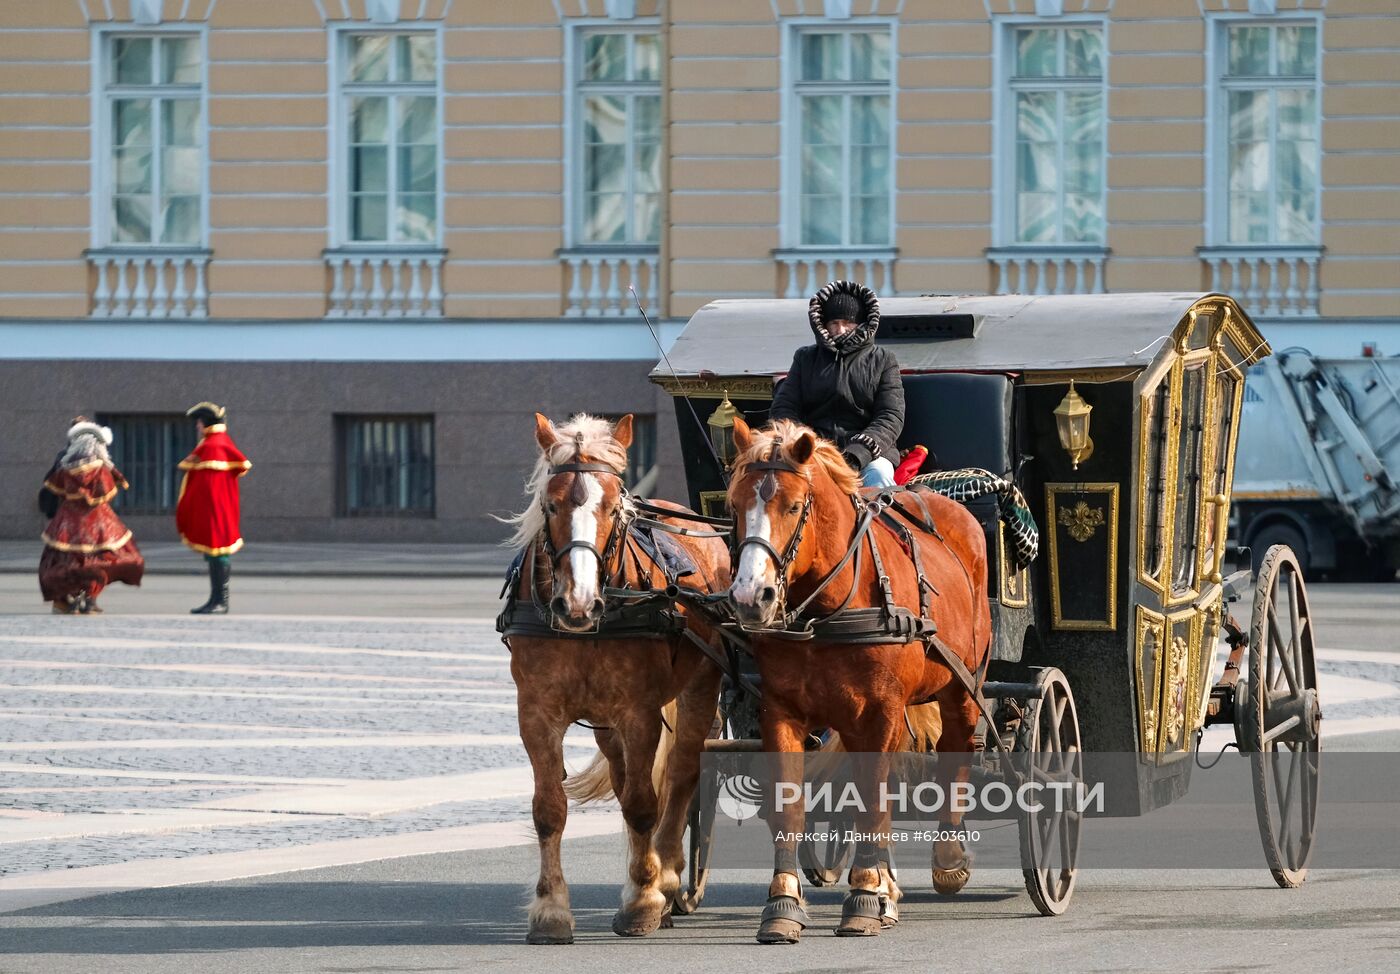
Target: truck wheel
1272, 534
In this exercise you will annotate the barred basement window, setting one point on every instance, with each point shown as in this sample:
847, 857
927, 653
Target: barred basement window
386, 466
641, 456
147, 450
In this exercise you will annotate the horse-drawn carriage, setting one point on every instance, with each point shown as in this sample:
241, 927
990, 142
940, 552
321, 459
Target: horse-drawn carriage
1107, 420
1116, 416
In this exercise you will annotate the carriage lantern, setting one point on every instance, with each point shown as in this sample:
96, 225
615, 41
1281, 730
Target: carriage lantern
721, 424
1072, 422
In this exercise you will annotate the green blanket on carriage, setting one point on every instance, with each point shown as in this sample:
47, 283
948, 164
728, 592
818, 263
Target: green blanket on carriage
970, 483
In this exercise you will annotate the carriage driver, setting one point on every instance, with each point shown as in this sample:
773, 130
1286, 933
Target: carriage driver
845, 386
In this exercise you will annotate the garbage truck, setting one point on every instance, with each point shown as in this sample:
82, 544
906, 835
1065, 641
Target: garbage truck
1318, 463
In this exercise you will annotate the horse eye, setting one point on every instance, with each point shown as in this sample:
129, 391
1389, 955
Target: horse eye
795, 508
551, 509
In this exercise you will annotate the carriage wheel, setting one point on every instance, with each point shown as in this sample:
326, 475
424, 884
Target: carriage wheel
822, 864
697, 861
1278, 716
1050, 838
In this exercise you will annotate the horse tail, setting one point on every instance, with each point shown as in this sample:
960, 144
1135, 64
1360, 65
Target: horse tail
923, 724
594, 782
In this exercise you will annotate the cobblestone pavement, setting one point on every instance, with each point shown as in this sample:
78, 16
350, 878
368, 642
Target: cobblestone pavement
152, 737
126, 738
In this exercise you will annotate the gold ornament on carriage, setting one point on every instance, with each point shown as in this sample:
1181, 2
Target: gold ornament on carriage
1081, 520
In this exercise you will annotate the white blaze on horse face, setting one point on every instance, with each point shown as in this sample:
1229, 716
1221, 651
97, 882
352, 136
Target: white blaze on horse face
756, 566
583, 526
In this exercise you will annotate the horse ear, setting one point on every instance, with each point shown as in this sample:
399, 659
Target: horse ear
544, 433
743, 436
622, 432
802, 448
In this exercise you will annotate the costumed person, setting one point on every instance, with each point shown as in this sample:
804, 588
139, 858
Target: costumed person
86, 546
207, 513
845, 386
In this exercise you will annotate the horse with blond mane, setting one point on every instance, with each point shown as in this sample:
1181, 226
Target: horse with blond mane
593, 638
803, 527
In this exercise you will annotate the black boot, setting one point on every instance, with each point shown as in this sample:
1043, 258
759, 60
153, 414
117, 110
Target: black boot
218, 590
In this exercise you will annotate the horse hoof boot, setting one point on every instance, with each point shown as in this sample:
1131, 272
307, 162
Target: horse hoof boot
783, 921
861, 914
889, 912
636, 924
550, 932
946, 882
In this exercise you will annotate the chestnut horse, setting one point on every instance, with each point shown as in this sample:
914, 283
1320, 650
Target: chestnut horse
574, 535
796, 509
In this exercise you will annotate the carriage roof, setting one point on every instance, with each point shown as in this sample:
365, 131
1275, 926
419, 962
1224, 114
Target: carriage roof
970, 333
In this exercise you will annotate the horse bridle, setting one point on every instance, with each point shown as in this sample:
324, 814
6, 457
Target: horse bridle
767, 488
578, 493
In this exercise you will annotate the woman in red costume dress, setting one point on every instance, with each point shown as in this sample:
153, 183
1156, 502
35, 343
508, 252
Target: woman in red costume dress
207, 512
86, 546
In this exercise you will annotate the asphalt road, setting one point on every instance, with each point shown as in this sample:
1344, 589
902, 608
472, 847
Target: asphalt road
327, 780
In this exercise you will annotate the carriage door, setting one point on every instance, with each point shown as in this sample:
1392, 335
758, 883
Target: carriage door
1181, 487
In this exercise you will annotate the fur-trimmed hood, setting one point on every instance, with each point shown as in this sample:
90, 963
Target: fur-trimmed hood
862, 335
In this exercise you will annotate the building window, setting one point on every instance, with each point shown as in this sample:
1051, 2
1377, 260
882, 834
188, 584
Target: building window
641, 455
386, 466
153, 128
389, 116
147, 449
617, 91
842, 141
1055, 127
1268, 132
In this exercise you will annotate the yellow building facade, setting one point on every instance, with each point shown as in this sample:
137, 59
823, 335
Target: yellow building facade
476, 184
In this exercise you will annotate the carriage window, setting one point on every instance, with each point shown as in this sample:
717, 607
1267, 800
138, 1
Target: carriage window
1186, 518
1220, 462
147, 450
386, 466
1155, 498
843, 138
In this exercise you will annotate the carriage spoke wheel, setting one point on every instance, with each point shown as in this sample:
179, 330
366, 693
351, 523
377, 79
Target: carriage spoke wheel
1279, 716
1049, 740
822, 863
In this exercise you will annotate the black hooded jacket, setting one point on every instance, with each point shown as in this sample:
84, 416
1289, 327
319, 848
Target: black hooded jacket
847, 389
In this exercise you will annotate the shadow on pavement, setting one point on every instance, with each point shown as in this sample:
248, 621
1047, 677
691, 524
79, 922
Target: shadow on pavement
211, 919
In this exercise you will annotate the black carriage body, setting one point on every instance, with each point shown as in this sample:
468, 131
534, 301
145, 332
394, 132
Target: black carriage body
1125, 595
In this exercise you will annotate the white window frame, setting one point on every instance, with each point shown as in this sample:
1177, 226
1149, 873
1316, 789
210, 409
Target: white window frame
790, 195
102, 169
1218, 124
1004, 124
575, 91
338, 203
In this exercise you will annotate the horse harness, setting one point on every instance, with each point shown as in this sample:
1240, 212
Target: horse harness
888, 622
629, 613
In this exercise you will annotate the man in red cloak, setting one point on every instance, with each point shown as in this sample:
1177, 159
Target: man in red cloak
86, 546
207, 512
